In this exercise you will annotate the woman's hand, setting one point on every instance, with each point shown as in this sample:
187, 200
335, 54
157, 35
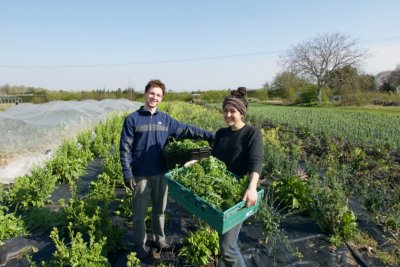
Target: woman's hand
250, 197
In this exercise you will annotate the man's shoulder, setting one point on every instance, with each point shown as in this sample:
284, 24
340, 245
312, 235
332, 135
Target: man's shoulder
164, 116
133, 114
161, 113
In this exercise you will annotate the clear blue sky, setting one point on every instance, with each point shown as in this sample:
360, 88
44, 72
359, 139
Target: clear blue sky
189, 45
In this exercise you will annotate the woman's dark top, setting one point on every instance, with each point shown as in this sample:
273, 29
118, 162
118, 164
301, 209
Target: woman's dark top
242, 151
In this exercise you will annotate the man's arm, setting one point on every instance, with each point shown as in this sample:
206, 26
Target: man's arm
125, 148
181, 130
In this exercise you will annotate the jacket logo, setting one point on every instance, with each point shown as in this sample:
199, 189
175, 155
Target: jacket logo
160, 123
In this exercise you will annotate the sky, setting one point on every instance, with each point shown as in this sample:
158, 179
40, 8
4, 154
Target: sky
190, 45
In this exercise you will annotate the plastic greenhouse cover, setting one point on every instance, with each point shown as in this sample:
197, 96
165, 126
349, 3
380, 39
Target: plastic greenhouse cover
30, 132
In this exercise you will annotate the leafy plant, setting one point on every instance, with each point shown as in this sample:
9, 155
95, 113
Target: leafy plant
84, 141
32, 190
201, 247
69, 163
294, 192
112, 167
125, 205
331, 212
10, 226
85, 215
102, 189
132, 260
77, 252
271, 214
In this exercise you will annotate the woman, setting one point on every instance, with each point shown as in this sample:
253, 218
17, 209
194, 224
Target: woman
240, 147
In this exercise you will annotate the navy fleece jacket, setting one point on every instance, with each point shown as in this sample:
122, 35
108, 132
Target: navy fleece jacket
143, 138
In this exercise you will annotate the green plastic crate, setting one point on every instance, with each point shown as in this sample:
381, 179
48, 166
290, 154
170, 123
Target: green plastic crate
218, 220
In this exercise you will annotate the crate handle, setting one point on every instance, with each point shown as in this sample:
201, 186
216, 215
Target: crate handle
239, 207
203, 208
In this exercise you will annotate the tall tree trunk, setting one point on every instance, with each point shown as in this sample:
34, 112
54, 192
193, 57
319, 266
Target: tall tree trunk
319, 96
319, 88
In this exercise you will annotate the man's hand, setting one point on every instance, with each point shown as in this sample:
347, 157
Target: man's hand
130, 183
188, 163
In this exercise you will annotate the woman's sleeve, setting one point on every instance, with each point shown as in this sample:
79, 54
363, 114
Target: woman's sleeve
256, 152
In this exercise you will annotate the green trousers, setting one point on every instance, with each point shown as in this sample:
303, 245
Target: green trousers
154, 187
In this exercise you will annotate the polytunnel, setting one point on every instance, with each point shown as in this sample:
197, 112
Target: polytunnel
29, 133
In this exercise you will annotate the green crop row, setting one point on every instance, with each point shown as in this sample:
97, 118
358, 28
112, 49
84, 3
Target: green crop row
367, 129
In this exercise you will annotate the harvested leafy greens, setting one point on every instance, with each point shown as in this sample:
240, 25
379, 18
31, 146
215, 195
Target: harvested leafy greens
209, 179
185, 145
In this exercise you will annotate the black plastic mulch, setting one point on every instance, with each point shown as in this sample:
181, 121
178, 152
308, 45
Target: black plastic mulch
308, 245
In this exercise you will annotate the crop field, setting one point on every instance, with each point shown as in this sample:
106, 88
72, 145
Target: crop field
364, 127
334, 172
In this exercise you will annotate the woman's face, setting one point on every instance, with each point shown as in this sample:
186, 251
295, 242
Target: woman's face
232, 116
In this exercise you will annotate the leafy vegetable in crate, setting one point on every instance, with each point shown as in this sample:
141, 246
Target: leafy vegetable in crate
209, 179
179, 152
185, 145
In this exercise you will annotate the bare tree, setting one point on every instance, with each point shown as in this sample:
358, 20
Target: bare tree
394, 79
317, 58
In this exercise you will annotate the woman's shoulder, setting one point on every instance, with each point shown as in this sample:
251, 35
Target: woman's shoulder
222, 132
251, 131
251, 128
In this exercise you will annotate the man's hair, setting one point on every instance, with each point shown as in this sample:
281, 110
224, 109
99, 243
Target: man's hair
155, 83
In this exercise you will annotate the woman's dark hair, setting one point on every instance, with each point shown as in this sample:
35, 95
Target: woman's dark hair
155, 83
237, 99
240, 93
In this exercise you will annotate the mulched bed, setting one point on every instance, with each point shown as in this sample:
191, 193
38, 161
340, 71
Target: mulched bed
303, 235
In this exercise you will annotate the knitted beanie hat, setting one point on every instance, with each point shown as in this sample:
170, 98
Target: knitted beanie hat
237, 99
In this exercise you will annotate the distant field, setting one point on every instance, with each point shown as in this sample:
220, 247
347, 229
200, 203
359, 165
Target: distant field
366, 126
372, 109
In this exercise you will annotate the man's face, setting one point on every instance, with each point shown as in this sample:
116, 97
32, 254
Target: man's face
153, 97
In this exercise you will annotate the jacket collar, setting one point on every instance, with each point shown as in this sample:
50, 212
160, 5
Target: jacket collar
142, 111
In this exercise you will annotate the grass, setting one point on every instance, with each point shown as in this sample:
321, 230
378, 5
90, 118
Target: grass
5, 106
364, 243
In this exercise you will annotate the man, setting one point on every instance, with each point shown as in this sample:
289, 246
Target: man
143, 137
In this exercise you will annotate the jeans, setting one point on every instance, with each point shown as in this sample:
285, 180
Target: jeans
154, 187
230, 253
